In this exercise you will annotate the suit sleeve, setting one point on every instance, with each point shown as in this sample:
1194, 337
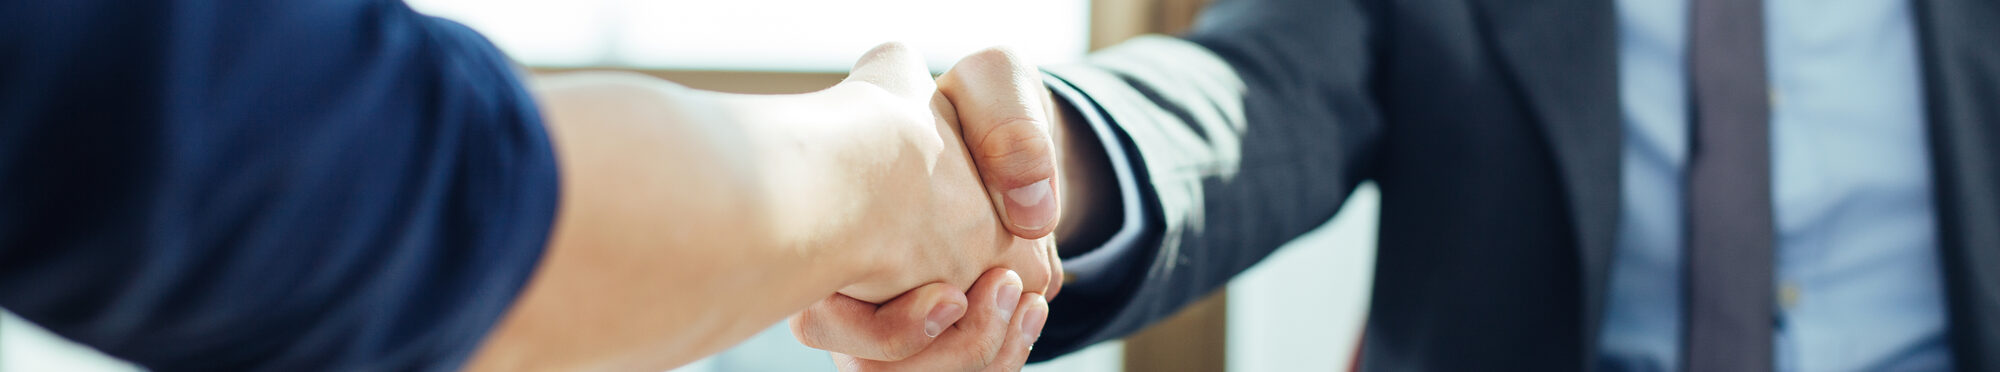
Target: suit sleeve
1241, 136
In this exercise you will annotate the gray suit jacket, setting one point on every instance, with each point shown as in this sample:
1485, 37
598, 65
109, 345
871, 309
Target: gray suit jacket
1493, 130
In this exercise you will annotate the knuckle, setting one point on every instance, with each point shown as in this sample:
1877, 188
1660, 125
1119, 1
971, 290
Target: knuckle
893, 47
997, 61
1018, 148
984, 351
1036, 278
1038, 274
1030, 264
897, 348
804, 330
997, 56
1056, 276
1002, 365
890, 52
848, 363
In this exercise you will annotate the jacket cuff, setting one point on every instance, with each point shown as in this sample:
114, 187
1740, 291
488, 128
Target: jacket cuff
1101, 280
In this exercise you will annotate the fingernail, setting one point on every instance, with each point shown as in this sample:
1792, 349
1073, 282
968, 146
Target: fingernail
1038, 313
940, 316
1032, 207
1008, 298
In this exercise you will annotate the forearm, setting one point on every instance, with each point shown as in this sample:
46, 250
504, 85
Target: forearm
683, 228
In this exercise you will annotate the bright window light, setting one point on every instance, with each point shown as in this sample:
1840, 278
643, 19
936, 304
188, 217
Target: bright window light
777, 35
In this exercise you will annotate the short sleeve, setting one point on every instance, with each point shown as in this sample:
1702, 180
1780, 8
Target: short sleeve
265, 185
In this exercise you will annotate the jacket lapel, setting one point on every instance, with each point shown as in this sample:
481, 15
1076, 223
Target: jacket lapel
1961, 62
1563, 57
1563, 54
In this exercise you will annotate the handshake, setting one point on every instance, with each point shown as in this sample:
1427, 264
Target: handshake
901, 222
969, 201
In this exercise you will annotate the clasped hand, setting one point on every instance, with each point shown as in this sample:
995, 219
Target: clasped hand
939, 214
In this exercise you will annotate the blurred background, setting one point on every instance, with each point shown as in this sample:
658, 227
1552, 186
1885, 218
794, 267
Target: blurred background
1301, 310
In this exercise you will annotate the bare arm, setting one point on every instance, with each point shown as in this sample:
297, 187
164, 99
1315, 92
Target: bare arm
691, 220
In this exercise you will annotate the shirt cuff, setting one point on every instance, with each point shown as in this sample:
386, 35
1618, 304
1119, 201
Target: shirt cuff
1106, 269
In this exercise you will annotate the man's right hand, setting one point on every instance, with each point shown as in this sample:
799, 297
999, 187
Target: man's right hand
1007, 118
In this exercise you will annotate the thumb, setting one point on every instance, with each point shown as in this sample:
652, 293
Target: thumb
1005, 119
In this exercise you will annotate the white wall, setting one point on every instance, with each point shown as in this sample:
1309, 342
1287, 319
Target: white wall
1302, 308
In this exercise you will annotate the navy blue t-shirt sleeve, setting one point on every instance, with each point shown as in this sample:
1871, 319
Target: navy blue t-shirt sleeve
265, 185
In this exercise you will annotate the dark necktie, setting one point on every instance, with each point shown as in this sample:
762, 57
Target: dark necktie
1729, 236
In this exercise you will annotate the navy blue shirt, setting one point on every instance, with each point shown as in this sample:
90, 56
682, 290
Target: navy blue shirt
264, 185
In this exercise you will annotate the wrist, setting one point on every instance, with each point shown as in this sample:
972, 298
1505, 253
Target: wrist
1090, 203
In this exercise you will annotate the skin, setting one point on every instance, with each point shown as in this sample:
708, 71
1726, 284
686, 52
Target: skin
1006, 113
1002, 317
692, 220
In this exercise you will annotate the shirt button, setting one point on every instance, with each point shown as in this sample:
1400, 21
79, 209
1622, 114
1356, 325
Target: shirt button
1788, 296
